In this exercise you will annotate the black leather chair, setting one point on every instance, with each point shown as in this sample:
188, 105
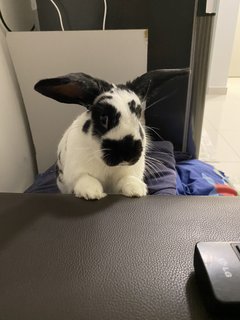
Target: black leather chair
65, 258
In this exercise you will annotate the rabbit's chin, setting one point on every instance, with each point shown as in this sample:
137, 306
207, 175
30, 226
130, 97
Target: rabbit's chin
112, 163
125, 164
121, 164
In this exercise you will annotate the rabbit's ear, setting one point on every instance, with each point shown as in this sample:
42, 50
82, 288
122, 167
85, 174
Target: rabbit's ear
148, 84
77, 88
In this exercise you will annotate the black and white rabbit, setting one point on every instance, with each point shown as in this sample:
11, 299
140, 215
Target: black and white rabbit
104, 149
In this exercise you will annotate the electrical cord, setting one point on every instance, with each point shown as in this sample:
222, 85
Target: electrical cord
59, 15
105, 14
61, 20
7, 27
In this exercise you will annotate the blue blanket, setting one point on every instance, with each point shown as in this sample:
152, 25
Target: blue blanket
195, 177
167, 173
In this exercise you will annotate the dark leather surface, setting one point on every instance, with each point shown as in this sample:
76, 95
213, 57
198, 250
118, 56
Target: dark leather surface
64, 258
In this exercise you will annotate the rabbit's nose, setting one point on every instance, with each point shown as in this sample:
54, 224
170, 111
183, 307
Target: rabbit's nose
126, 150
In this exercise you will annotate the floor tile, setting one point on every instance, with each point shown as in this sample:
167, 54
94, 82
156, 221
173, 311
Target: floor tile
231, 170
214, 147
223, 111
220, 143
232, 137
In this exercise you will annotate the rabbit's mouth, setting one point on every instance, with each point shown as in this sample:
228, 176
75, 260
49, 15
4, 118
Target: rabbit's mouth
124, 152
124, 164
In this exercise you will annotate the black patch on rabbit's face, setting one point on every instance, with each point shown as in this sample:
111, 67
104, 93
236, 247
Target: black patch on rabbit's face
104, 117
124, 87
86, 126
104, 98
134, 108
126, 150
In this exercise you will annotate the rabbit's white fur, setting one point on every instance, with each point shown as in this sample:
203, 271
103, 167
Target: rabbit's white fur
104, 150
83, 170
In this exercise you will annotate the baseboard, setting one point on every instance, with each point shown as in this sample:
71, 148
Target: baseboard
217, 90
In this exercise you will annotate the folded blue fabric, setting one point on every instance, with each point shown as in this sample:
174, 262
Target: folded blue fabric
45, 182
195, 177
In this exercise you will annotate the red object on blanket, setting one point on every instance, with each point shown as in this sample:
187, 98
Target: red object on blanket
225, 190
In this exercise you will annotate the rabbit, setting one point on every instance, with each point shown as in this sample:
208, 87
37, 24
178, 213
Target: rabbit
104, 149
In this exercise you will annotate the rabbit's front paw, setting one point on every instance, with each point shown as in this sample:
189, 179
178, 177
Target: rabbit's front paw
133, 187
89, 188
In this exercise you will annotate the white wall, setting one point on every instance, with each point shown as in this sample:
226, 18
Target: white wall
16, 162
223, 39
114, 55
235, 61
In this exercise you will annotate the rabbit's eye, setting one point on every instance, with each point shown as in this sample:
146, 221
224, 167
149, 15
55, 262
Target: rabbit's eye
104, 121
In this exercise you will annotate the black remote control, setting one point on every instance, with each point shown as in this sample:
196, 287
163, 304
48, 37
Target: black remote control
217, 268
